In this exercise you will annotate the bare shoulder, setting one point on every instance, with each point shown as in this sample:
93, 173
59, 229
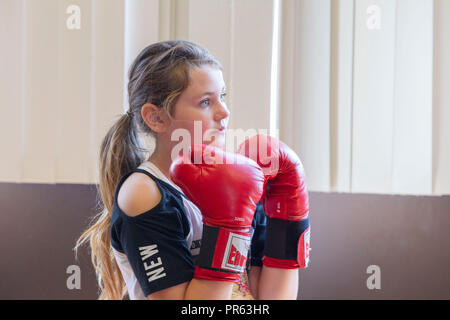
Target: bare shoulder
138, 194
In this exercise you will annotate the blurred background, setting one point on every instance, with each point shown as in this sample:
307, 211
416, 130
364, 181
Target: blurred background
360, 89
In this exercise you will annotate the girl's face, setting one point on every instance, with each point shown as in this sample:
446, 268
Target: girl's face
201, 109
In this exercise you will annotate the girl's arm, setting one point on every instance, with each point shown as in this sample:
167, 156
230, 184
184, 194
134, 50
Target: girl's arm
265, 282
278, 284
200, 289
273, 283
253, 280
196, 289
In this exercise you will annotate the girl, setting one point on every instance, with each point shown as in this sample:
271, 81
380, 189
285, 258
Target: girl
172, 85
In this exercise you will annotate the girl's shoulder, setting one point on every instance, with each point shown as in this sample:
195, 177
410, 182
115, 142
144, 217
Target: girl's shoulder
138, 194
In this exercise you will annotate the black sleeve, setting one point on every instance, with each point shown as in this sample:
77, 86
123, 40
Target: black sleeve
259, 236
156, 247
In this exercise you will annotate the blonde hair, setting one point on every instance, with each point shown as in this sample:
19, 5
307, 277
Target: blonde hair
158, 75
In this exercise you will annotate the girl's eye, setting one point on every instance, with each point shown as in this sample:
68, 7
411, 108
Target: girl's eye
205, 103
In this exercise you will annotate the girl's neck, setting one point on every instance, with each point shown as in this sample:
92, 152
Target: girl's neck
162, 161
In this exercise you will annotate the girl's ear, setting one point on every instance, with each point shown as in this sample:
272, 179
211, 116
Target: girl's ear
156, 118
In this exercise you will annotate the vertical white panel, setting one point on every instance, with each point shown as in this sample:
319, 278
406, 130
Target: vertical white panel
311, 111
342, 30
165, 28
106, 73
12, 24
181, 17
251, 64
412, 134
41, 96
441, 108
73, 89
287, 72
274, 116
210, 26
174, 18
373, 101
141, 30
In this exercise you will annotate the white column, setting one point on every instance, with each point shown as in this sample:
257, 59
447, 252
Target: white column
341, 104
107, 76
441, 108
305, 86
413, 101
373, 95
12, 81
141, 30
251, 64
40, 91
72, 93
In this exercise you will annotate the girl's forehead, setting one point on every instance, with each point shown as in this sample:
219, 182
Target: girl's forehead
206, 78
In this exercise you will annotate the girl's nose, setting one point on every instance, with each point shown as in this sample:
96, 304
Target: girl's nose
222, 112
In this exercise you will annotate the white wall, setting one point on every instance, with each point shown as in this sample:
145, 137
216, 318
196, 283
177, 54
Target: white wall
362, 94
305, 86
441, 95
61, 87
357, 87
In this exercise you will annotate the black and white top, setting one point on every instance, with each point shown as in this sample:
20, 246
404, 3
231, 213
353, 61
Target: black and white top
158, 248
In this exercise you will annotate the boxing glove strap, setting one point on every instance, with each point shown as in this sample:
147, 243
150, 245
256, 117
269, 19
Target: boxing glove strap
215, 275
287, 243
223, 254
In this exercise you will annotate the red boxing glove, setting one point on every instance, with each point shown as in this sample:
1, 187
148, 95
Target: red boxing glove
226, 187
285, 202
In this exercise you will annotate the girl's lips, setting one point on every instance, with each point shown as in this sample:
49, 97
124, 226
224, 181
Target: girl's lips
221, 129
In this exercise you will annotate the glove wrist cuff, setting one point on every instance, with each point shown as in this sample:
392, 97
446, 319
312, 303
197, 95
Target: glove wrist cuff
223, 254
287, 244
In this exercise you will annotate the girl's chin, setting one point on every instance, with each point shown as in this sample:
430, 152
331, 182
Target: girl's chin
218, 142
215, 138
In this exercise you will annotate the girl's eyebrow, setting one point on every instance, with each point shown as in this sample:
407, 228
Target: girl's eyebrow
211, 93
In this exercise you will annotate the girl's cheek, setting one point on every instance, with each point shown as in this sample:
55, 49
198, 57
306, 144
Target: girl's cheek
197, 132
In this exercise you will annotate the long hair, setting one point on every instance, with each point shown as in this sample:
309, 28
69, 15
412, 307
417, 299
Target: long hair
158, 75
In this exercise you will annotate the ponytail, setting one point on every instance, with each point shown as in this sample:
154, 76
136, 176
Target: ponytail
120, 152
